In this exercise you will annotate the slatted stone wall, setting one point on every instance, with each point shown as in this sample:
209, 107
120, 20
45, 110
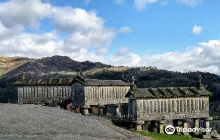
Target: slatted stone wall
174, 108
105, 95
43, 94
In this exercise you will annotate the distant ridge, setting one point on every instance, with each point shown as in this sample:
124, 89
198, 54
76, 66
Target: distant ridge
52, 65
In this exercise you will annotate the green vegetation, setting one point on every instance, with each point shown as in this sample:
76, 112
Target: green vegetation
114, 69
158, 136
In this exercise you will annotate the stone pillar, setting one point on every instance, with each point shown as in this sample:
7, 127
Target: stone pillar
105, 111
145, 126
185, 125
100, 110
118, 110
139, 126
196, 125
207, 135
85, 110
161, 125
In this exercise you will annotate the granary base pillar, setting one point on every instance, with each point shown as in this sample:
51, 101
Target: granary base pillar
185, 125
161, 127
118, 110
145, 126
85, 110
101, 110
207, 135
139, 126
105, 111
196, 125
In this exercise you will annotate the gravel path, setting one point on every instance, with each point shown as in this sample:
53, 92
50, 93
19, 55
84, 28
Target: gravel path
34, 122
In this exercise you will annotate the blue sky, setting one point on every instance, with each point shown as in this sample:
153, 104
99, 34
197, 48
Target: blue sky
159, 28
179, 35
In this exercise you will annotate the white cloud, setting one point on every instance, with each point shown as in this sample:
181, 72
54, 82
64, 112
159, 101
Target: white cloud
191, 3
42, 45
196, 30
7, 32
32, 45
23, 12
124, 57
85, 28
205, 57
73, 20
86, 36
119, 2
123, 51
124, 30
141, 4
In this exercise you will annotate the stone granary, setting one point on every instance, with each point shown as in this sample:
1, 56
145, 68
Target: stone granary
160, 105
88, 93
43, 91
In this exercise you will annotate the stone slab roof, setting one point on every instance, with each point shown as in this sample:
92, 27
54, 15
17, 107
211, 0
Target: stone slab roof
168, 92
70, 81
96, 82
44, 82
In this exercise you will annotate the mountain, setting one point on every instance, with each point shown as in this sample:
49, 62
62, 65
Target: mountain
62, 66
55, 65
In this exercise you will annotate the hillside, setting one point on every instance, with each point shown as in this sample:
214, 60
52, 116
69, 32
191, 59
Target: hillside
33, 122
61, 66
55, 65
9, 63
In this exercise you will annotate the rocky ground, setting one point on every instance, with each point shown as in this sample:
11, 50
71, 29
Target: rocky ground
34, 122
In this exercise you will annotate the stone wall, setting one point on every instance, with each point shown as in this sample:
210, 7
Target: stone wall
43, 94
174, 108
105, 95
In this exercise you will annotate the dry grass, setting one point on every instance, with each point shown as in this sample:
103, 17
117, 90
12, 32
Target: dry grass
9, 63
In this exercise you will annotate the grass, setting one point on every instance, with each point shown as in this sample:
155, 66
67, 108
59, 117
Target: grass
113, 69
158, 136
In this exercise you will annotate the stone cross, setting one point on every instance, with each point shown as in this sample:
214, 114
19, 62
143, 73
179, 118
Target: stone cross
132, 80
200, 85
200, 79
79, 72
22, 77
